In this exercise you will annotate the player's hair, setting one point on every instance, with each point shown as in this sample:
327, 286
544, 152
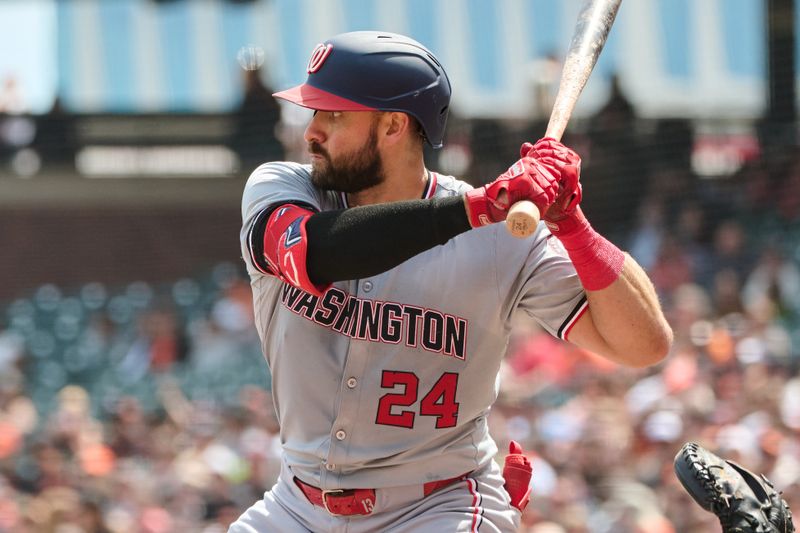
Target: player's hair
418, 129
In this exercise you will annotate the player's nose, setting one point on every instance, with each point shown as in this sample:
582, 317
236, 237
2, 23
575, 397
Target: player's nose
314, 132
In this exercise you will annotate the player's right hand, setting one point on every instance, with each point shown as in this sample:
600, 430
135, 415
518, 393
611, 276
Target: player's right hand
566, 164
527, 179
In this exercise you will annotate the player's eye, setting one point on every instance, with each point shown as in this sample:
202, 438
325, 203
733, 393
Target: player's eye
336, 114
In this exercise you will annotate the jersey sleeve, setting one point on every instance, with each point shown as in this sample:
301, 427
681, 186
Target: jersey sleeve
271, 185
547, 287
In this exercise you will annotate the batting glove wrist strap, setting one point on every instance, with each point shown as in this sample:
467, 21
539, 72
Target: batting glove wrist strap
597, 261
478, 208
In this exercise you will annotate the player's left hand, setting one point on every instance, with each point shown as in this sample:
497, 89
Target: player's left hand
527, 179
565, 163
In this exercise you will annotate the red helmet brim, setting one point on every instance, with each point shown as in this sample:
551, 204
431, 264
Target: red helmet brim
313, 98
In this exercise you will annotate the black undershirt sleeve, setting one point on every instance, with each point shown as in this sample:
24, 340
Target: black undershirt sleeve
364, 241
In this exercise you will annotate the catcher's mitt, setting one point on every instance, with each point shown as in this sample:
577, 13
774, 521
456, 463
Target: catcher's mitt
743, 502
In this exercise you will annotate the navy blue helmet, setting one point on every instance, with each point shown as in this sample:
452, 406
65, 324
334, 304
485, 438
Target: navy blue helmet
376, 71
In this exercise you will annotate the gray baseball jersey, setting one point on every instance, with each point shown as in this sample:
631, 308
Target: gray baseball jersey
387, 381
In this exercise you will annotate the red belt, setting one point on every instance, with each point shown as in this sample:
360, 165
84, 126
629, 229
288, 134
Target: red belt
357, 501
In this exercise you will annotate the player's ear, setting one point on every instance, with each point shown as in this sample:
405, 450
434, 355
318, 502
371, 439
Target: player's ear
396, 126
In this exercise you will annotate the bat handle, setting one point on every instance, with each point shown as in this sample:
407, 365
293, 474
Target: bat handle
522, 219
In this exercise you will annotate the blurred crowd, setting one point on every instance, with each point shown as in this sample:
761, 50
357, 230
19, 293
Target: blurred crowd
146, 408
142, 409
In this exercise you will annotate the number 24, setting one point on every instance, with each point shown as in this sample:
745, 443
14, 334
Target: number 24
439, 402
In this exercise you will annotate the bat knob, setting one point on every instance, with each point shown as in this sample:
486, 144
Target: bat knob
522, 219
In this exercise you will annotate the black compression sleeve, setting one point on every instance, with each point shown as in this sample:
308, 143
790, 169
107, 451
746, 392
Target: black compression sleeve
364, 241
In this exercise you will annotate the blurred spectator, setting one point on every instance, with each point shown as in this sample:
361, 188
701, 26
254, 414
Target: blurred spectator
257, 119
17, 130
11, 101
544, 74
616, 165
730, 251
488, 158
648, 233
726, 292
774, 281
129, 429
671, 145
11, 350
672, 267
55, 140
159, 344
788, 195
691, 231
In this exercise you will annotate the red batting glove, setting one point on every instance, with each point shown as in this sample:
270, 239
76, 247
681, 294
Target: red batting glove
527, 179
567, 164
564, 216
517, 473
597, 261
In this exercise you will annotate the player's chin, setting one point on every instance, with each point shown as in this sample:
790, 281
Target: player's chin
318, 163
321, 178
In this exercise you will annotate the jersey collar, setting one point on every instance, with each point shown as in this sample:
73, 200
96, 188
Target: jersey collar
427, 192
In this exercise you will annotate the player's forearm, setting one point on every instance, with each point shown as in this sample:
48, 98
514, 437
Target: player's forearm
365, 241
626, 315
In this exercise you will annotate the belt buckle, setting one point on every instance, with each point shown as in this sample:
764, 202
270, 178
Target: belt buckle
325, 494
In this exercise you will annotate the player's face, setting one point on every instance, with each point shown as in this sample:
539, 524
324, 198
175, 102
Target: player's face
344, 151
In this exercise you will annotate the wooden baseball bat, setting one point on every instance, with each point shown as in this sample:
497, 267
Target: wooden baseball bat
591, 30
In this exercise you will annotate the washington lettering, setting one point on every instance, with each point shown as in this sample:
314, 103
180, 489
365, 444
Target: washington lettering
378, 321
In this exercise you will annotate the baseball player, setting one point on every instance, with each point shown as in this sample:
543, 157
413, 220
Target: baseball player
384, 294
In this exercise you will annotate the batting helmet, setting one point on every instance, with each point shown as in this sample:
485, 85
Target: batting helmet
376, 71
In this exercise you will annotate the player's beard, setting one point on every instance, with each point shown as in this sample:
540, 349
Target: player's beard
352, 172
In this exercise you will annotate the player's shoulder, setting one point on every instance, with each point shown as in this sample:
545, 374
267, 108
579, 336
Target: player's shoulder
280, 171
449, 185
283, 182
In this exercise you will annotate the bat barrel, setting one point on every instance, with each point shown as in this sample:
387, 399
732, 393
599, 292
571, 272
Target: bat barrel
591, 31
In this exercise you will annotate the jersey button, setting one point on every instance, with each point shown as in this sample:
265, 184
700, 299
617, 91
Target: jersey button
341, 435
367, 286
330, 466
351, 383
